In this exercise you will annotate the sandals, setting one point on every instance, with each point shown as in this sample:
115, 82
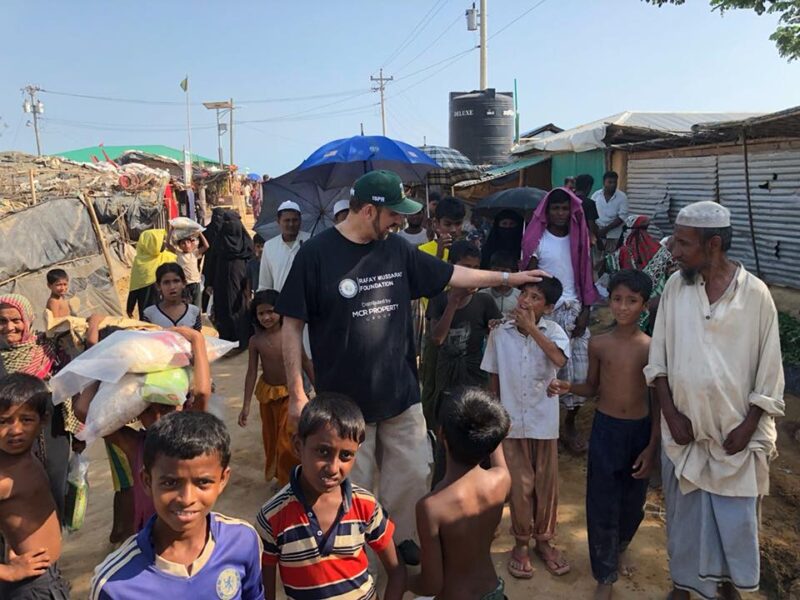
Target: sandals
518, 567
555, 566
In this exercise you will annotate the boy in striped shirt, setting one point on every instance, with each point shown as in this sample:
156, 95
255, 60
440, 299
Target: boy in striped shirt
316, 527
185, 550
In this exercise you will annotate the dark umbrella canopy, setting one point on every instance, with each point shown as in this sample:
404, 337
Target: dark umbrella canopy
340, 162
521, 199
316, 204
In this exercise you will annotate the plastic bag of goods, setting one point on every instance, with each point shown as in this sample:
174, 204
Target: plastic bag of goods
77, 491
130, 352
114, 405
184, 227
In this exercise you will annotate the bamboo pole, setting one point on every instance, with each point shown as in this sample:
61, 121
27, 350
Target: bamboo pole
101, 240
33, 187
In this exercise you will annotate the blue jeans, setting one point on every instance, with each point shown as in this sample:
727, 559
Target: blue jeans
614, 499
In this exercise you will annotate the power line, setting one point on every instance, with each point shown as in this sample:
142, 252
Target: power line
436, 64
176, 103
415, 31
510, 23
436, 39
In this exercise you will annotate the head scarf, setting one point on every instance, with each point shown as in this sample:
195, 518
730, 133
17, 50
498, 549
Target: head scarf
505, 239
150, 255
580, 250
27, 356
215, 225
233, 242
638, 247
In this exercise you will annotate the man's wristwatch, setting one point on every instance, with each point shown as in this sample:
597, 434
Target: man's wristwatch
506, 277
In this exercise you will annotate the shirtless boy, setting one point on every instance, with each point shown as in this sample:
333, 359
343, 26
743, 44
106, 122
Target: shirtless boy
58, 284
28, 519
625, 434
271, 391
458, 519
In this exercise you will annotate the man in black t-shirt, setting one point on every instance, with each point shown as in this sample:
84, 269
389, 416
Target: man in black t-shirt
353, 284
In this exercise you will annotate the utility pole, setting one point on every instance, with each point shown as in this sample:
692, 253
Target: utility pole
230, 132
380, 88
484, 59
37, 108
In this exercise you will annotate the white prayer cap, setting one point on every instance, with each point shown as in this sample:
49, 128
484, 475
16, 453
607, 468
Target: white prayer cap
706, 214
340, 206
289, 205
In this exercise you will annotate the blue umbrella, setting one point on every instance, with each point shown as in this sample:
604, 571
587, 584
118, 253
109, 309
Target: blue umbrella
340, 162
254, 177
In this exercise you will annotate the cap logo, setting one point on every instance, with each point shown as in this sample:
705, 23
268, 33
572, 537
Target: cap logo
378, 199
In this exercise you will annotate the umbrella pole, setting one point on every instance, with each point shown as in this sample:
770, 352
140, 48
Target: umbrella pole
427, 201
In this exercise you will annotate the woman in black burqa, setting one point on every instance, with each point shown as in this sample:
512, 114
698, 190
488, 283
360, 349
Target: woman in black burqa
210, 257
505, 235
233, 248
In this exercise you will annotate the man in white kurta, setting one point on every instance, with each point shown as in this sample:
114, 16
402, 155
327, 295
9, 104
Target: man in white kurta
715, 361
279, 252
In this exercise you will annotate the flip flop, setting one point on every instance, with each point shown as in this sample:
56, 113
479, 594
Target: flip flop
553, 567
518, 573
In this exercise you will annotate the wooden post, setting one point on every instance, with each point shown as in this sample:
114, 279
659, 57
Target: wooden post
101, 241
33, 187
749, 202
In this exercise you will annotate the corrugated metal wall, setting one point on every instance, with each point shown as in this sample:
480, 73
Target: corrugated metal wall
660, 187
775, 197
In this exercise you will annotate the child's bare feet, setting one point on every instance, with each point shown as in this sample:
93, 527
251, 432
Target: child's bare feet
519, 563
603, 591
625, 565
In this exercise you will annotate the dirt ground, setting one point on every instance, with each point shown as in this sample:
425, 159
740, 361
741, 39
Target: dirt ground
247, 491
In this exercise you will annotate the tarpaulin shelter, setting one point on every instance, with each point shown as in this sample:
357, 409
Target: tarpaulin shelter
56, 213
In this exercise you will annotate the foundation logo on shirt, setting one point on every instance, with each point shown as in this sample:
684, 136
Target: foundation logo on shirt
348, 288
228, 584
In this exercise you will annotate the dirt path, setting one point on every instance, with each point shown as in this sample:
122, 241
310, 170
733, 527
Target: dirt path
247, 491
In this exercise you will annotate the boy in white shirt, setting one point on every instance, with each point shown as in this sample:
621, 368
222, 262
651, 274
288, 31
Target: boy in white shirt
188, 252
521, 357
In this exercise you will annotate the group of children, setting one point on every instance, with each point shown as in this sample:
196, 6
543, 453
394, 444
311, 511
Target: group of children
497, 438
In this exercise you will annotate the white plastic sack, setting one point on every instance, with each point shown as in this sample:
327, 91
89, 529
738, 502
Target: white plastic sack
130, 352
113, 406
184, 227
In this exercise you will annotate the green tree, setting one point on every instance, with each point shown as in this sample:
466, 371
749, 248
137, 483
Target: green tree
786, 36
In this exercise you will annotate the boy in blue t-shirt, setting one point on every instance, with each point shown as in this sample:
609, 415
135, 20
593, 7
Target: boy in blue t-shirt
185, 550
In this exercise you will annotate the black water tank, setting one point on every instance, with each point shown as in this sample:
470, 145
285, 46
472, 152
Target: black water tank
482, 125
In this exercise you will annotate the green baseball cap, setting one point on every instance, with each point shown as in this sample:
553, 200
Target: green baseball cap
384, 188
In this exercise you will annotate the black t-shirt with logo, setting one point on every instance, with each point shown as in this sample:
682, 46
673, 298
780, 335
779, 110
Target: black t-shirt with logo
356, 299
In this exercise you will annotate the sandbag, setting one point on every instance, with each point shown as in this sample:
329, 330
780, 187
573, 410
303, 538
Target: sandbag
130, 352
184, 227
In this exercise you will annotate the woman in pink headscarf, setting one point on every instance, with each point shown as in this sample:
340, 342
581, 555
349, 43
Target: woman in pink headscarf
25, 351
557, 241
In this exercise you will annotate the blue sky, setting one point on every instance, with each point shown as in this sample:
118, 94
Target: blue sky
575, 61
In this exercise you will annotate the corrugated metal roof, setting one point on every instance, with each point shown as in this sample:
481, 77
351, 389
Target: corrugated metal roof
114, 152
591, 135
508, 169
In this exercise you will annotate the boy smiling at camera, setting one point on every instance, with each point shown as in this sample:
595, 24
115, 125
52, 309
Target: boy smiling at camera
185, 550
315, 528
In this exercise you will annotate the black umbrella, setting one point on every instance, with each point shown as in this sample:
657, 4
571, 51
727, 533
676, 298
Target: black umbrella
521, 199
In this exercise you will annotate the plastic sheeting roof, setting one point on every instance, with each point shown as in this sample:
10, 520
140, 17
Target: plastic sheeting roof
591, 135
114, 152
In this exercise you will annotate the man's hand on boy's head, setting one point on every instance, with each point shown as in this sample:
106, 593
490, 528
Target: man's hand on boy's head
30, 564
523, 277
